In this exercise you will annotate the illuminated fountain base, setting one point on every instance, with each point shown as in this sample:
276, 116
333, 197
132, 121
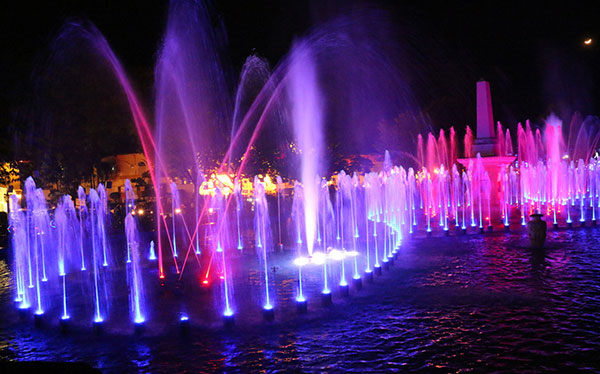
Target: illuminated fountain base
492, 165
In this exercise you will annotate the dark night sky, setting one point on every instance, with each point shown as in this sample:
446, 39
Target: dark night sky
533, 55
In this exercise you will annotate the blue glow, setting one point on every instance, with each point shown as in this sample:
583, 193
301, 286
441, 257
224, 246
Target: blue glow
24, 306
268, 307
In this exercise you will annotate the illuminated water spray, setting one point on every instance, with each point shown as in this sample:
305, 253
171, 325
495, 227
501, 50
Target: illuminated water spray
305, 102
175, 211
134, 272
261, 230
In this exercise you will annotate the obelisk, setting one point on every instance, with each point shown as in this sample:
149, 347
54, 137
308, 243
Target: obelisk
485, 142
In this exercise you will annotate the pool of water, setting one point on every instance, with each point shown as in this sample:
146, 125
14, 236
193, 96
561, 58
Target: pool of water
449, 304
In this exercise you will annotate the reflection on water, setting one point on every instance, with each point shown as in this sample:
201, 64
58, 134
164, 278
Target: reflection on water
454, 304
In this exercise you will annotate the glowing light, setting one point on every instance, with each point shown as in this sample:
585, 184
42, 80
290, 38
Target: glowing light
301, 261
587, 41
205, 282
351, 253
228, 313
177, 211
300, 299
24, 305
65, 317
211, 210
336, 255
318, 258
268, 307
184, 318
140, 212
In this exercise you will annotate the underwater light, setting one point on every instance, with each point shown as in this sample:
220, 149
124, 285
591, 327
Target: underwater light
228, 313
268, 307
24, 306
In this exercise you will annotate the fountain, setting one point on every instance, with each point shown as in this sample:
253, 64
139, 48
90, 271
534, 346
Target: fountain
344, 228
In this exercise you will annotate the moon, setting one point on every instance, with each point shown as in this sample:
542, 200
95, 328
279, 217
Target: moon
588, 41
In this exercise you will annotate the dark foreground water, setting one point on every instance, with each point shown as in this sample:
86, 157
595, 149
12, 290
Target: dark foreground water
467, 303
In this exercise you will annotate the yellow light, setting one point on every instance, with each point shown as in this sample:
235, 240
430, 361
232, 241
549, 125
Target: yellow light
177, 211
141, 212
588, 41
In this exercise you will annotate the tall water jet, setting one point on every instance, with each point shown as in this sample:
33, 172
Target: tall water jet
66, 223
239, 207
129, 209
19, 240
175, 212
219, 246
103, 223
100, 284
192, 99
262, 239
134, 269
306, 110
279, 190
327, 220
83, 216
199, 182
